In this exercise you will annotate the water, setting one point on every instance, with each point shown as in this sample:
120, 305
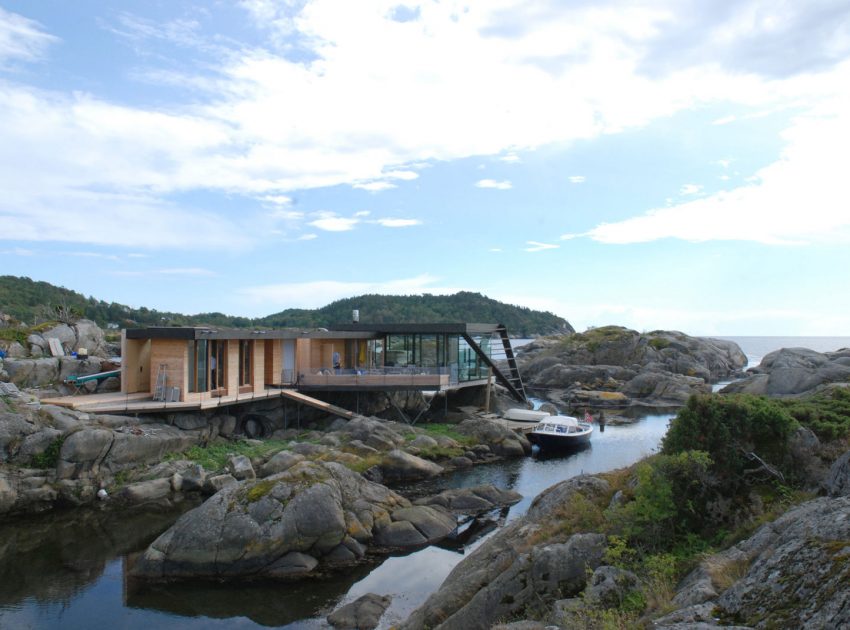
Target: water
69, 571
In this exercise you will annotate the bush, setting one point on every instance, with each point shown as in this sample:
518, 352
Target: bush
827, 414
669, 501
730, 427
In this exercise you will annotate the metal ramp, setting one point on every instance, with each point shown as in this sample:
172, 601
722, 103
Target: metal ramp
503, 363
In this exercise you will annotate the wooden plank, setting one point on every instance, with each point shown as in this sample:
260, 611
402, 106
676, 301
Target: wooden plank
56, 348
316, 404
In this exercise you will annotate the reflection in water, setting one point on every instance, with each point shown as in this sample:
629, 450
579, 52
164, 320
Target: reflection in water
69, 571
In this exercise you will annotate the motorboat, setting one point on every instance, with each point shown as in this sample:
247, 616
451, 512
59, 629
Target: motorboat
560, 432
525, 415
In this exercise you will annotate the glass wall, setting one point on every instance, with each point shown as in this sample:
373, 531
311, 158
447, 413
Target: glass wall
246, 362
198, 362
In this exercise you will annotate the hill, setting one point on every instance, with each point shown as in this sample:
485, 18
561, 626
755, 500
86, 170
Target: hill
32, 302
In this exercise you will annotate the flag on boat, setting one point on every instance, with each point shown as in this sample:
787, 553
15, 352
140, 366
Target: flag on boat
588, 417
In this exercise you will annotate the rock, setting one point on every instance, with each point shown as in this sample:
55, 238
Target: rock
14, 428
215, 484
16, 351
795, 570
609, 587
472, 500
364, 613
358, 448
460, 462
400, 466
194, 478
309, 450
497, 580
240, 467
8, 494
32, 372
792, 371
188, 421
498, 438
83, 451
415, 526
90, 336
614, 366
525, 624
66, 336
423, 442
279, 462
837, 482
37, 443
146, 491
226, 425
253, 528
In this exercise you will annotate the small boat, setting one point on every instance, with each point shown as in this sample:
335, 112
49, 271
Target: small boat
560, 432
525, 415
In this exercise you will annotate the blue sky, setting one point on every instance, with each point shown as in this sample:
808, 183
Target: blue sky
653, 164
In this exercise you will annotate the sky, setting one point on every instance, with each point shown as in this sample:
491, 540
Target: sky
653, 164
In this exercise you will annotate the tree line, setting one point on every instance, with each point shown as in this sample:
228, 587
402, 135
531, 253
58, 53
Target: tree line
32, 302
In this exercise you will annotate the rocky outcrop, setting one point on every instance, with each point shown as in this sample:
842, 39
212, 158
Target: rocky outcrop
793, 372
500, 440
508, 574
472, 500
791, 573
309, 518
617, 367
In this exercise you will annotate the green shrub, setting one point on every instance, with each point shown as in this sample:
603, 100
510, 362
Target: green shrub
669, 501
729, 427
827, 414
659, 343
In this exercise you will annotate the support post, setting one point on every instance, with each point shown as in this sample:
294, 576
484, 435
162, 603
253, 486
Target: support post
487, 394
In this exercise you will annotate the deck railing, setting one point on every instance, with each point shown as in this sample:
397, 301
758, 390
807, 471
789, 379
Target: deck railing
380, 377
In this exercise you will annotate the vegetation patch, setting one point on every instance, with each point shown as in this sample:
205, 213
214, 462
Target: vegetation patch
827, 414
659, 343
259, 490
214, 456
436, 429
50, 457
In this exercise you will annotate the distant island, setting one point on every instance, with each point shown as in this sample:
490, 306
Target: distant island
32, 301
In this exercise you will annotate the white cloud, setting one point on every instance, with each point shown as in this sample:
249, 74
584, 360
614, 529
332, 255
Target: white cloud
536, 246
398, 223
800, 198
375, 186
511, 158
331, 222
308, 237
319, 293
491, 183
577, 179
17, 251
690, 189
21, 39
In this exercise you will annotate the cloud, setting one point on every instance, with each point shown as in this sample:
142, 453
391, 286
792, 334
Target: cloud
308, 237
535, 246
801, 198
375, 186
166, 271
22, 39
690, 189
398, 223
511, 158
332, 222
318, 293
491, 183
577, 179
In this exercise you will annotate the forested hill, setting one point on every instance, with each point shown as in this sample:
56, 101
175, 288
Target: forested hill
32, 302
460, 307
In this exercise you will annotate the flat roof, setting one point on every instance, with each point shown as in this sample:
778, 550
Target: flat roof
338, 331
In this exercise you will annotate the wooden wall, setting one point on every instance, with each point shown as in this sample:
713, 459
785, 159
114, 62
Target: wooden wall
259, 355
173, 353
273, 361
135, 365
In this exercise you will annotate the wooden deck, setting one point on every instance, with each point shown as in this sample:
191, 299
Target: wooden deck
144, 403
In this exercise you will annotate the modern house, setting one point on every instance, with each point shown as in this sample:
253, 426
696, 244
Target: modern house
198, 368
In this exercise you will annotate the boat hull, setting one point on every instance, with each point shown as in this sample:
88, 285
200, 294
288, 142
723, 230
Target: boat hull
558, 442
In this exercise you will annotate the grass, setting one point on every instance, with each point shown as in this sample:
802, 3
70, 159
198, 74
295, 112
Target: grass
435, 429
214, 457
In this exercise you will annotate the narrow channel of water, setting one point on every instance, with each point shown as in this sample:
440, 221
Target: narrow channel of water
68, 571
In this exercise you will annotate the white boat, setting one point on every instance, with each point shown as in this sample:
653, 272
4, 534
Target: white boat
560, 432
525, 415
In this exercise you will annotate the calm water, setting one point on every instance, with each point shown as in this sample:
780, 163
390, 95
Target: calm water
68, 570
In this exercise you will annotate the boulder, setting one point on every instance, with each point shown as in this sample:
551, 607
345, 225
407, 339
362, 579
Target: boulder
8, 494
837, 483
66, 336
415, 526
253, 528
194, 478
280, 462
83, 452
217, 483
32, 372
609, 587
146, 491
90, 336
472, 500
398, 465
240, 467
364, 613
500, 439
791, 372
